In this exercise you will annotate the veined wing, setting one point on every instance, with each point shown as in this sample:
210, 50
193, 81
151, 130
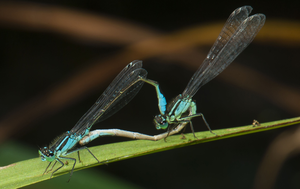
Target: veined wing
121, 90
237, 33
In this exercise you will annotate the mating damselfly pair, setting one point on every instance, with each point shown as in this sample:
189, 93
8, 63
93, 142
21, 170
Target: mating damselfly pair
237, 33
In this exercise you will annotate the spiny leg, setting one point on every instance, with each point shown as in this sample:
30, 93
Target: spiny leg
206, 123
183, 136
72, 167
91, 153
173, 127
47, 168
192, 128
52, 167
78, 149
78, 156
169, 130
62, 164
197, 115
84, 147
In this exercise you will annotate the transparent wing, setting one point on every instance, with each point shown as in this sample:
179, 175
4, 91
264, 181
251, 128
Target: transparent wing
122, 89
237, 33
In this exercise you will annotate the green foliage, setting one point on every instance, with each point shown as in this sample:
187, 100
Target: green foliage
30, 171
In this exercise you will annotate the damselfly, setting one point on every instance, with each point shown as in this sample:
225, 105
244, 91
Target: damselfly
237, 33
123, 88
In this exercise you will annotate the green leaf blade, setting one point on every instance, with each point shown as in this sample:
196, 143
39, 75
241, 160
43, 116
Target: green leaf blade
31, 171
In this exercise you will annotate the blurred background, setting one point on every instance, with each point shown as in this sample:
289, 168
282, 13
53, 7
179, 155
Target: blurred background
58, 57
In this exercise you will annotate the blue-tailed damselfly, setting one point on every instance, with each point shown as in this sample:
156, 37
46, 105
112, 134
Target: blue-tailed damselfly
237, 33
123, 88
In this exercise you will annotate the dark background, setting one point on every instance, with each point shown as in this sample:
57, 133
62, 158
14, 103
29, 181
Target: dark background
34, 61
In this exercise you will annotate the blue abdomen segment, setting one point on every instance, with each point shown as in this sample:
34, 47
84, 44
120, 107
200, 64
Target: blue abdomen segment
162, 102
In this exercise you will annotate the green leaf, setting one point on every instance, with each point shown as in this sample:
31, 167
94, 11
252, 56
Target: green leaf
31, 171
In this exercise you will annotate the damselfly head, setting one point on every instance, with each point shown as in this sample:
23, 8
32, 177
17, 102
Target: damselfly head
160, 122
46, 154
